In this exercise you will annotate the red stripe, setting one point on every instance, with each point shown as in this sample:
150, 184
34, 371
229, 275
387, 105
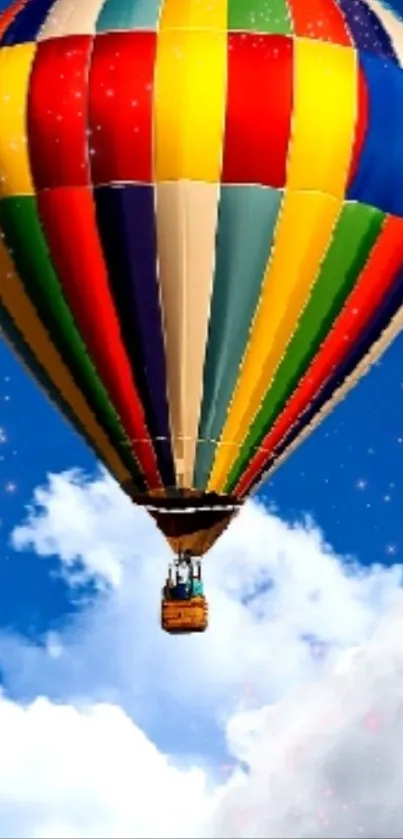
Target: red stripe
361, 123
7, 17
319, 19
121, 106
259, 107
68, 218
57, 112
376, 279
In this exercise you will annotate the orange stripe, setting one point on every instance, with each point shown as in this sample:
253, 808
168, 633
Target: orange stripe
320, 20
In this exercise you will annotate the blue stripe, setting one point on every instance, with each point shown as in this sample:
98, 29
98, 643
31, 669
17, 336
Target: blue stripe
27, 23
126, 223
367, 30
378, 180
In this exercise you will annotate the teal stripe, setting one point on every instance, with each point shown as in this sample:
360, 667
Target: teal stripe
246, 224
128, 15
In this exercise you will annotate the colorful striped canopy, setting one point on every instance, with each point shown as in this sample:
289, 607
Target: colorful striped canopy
201, 206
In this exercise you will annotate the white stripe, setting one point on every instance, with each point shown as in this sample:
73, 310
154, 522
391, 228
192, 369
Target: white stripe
218, 509
393, 25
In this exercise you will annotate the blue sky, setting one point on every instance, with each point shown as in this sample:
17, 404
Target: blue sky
38, 441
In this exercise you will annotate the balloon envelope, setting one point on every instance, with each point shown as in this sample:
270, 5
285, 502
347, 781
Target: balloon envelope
201, 206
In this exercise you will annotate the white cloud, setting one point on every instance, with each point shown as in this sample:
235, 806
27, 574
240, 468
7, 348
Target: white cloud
290, 679
66, 772
327, 760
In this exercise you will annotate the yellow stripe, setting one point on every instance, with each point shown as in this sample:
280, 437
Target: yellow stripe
320, 153
189, 104
186, 14
325, 110
17, 304
15, 69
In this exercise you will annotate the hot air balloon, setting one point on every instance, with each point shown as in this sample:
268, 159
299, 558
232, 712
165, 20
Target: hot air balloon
201, 214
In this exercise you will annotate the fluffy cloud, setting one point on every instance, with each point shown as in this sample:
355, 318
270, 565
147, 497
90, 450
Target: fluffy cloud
297, 685
325, 761
66, 772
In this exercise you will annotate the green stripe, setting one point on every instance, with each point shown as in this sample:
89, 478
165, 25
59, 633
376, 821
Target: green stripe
270, 16
25, 240
128, 15
355, 234
246, 223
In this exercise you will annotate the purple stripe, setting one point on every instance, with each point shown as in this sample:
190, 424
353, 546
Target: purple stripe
366, 29
378, 323
126, 223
